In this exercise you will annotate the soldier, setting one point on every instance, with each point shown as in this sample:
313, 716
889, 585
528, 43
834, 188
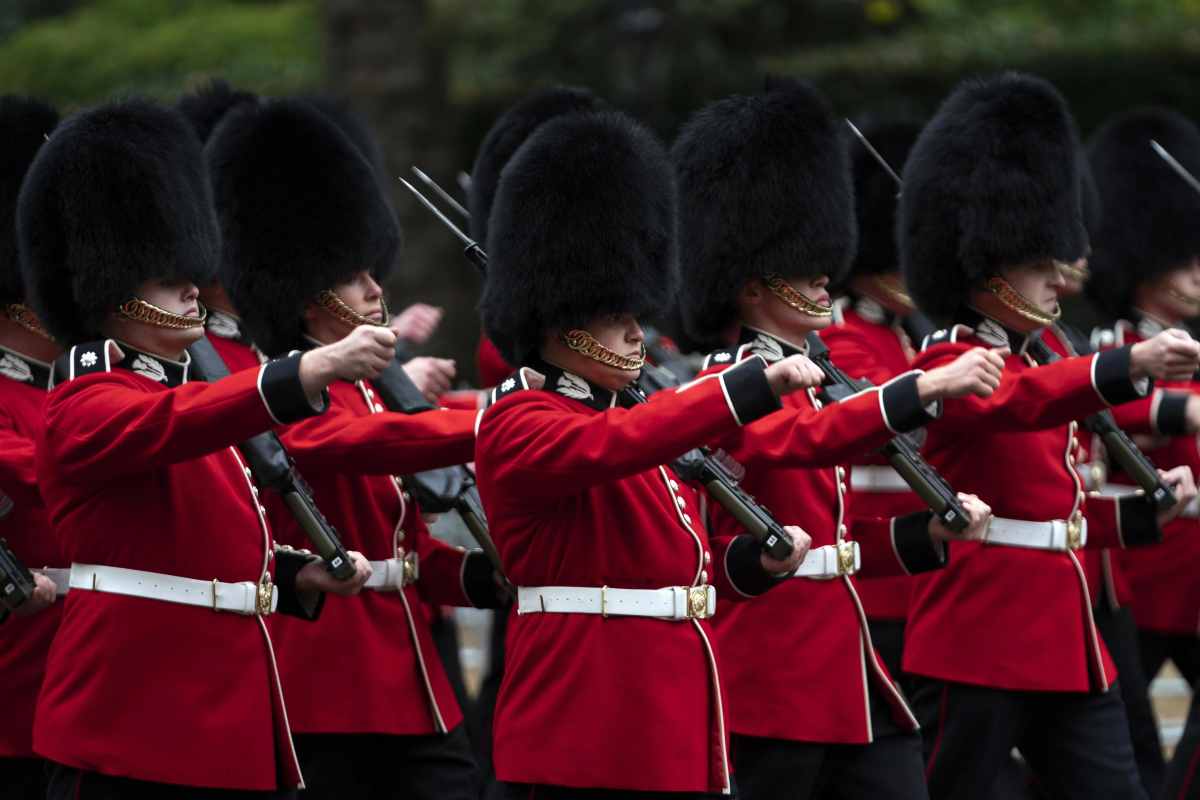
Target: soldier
173, 568
991, 206
1146, 258
767, 219
873, 336
308, 237
26, 352
613, 684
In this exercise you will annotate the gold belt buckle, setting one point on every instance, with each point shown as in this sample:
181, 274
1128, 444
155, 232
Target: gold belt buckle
264, 596
845, 558
410, 569
697, 607
1075, 531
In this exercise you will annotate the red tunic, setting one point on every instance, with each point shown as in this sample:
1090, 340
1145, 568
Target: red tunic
138, 475
878, 352
808, 633
1009, 617
369, 665
577, 495
24, 641
491, 365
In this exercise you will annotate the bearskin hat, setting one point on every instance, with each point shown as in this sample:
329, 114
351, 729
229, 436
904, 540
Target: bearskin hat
300, 211
507, 134
583, 224
991, 182
351, 123
206, 106
1089, 196
25, 123
876, 194
764, 188
117, 196
1151, 219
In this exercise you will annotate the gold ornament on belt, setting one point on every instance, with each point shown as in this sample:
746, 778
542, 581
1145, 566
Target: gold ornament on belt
1074, 273
797, 300
891, 289
140, 310
23, 315
331, 302
586, 345
1018, 303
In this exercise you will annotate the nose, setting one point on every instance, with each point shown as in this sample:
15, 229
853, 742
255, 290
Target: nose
820, 282
1057, 279
190, 292
634, 333
374, 290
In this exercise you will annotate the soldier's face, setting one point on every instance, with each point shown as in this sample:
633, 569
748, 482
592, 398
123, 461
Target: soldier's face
178, 297
1072, 285
1038, 283
1176, 295
361, 293
768, 312
620, 333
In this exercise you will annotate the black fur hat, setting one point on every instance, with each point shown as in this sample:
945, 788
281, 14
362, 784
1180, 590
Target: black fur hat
992, 182
583, 224
300, 211
1093, 208
206, 106
1151, 219
764, 187
351, 123
875, 194
24, 124
507, 134
118, 196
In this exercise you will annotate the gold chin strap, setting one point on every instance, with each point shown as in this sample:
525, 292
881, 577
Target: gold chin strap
797, 300
585, 344
139, 310
1017, 302
892, 289
1183, 298
23, 315
1073, 273
335, 305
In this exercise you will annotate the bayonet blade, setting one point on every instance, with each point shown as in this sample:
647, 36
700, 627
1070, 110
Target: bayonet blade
467, 240
1180, 169
875, 154
442, 193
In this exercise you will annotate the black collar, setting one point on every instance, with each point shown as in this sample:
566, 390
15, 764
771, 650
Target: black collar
769, 346
568, 384
156, 368
227, 326
995, 333
21, 368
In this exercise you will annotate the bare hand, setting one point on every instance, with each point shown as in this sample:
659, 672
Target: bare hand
315, 577
362, 354
1170, 356
432, 376
802, 543
44, 591
975, 372
417, 322
792, 373
979, 514
1183, 485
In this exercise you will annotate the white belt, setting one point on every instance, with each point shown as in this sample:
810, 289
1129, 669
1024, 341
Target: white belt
393, 574
1057, 534
876, 479
830, 561
61, 577
244, 597
673, 602
1190, 511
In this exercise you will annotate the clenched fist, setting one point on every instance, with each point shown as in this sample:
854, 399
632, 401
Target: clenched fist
362, 354
1183, 485
979, 514
802, 543
432, 376
43, 596
417, 322
975, 372
1172, 355
314, 577
793, 373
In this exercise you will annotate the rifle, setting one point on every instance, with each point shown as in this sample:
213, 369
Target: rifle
16, 581
700, 464
901, 452
1118, 444
274, 469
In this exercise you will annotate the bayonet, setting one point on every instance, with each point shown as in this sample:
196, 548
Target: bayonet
442, 193
1180, 169
471, 248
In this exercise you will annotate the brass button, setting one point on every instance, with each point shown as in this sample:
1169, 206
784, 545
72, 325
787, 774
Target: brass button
708, 558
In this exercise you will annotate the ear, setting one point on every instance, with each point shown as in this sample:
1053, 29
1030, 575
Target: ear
752, 292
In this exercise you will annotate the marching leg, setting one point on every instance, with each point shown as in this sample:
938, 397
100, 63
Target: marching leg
767, 769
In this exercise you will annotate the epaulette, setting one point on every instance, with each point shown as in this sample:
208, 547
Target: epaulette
1104, 338
724, 356
945, 336
80, 360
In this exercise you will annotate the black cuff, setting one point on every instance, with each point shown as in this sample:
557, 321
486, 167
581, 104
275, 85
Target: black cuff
1137, 519
479, 581
901, 405
1171, 417
1110, 377
294, 603
916, 549
747, 391
284, 395
743, 567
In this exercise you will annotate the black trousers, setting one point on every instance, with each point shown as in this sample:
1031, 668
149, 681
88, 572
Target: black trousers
776, 769
23, 779
525, 791
68, 783
888, 637
1158, 648
1183, 775
380, 767
1077, 745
